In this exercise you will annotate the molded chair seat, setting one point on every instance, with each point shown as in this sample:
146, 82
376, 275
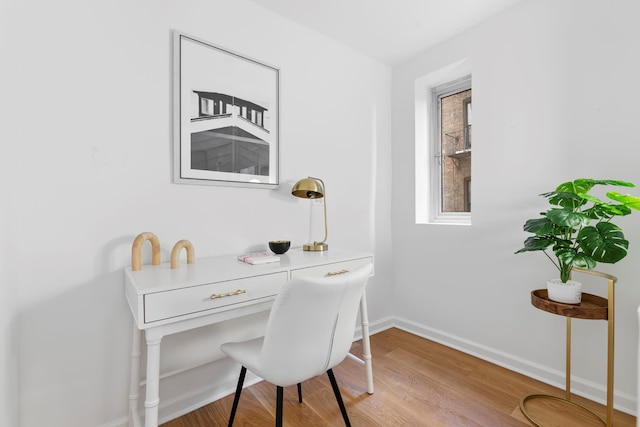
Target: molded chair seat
309, 331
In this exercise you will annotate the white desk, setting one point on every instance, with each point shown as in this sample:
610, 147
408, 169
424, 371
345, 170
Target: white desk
165, 301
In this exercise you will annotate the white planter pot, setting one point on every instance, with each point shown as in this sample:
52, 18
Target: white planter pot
568, 293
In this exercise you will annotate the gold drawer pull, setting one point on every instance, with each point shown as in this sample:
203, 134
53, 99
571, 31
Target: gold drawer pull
229, 294
335, 273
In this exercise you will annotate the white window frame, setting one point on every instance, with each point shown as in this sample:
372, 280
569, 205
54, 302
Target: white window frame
427, 146
435, 142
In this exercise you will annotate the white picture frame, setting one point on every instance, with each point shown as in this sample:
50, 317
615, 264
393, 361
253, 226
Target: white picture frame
226, 116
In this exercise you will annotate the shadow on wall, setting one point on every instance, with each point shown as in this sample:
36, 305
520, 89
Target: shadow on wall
76, 342
79, 341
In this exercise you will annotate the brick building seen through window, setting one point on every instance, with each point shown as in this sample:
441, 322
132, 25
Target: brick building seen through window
455, 139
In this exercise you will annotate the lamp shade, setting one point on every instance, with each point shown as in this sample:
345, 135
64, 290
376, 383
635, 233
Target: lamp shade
308, 188
313, 188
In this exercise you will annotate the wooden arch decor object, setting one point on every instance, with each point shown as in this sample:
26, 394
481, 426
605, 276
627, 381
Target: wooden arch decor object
175, 253
136, 250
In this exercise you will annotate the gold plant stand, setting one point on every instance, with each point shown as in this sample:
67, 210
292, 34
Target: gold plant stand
591, 307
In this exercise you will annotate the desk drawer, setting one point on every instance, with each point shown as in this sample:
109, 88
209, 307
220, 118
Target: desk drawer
195, 299
335, 267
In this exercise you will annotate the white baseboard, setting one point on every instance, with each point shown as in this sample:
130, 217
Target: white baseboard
180, 405
194, 399
596, 392
119, 422
375, 327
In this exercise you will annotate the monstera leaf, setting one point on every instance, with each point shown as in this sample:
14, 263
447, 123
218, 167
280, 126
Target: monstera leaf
570, 256
565, 199
567, 218
536, 243
604, 242
540, 226
626, 199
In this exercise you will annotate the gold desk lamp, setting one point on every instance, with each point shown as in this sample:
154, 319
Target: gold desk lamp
313, 188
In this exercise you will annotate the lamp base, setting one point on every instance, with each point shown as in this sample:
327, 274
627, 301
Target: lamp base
315, 246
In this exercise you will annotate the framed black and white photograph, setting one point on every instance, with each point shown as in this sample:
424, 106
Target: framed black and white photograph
226, 116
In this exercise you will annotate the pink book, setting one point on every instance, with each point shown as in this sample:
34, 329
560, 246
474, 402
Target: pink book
258, 258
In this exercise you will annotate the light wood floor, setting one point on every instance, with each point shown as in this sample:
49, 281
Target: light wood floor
417, 383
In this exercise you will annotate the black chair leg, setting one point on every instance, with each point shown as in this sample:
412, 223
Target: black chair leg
236, 399
299, 393
336, 391
279, 398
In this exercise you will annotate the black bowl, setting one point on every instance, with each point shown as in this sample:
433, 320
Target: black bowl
279, 246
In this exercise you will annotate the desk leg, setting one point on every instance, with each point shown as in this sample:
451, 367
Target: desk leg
134, 380
366, 346
154, 337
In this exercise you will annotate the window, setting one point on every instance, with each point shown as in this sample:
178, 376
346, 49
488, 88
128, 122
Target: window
443, 145
451, 119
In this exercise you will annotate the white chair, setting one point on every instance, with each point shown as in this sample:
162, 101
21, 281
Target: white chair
309, 331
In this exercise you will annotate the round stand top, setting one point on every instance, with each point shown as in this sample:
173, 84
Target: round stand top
591, 307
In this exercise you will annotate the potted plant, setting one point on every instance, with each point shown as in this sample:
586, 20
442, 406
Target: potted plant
579, 231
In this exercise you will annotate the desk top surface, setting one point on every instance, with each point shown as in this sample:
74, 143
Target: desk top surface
214, 269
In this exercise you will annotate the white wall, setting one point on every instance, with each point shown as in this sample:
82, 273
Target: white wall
555, 98
9, 387
87, 116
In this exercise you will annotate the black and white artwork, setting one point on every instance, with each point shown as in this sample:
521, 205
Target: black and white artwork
226, 124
